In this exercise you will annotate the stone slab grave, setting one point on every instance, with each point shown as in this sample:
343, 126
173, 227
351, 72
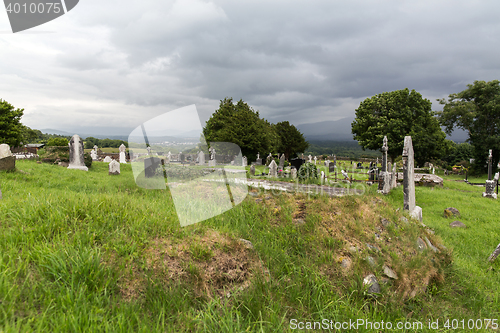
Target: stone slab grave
273, 169
122, 150
408, 180
114, 168
76, 159
7, 160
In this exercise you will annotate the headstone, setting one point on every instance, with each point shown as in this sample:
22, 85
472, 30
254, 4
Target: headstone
149, 150
244, 161
268, 159
310, 158
252, 170
433, 170
201, 158
258, 161
282, 162
114, 168
93, 154
490, 157
490, 187
384, 185
384, 154
297, 162
322, 176
150, 166
122, 150
76, 159
345, 174
334, 160
7, 160
293, 173
315, 159
327, 164
409, 180
394, 176
273, 169
107, 159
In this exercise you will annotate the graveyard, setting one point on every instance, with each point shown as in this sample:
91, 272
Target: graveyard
90, 250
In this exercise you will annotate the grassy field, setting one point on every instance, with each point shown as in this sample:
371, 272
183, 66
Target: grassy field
88, 252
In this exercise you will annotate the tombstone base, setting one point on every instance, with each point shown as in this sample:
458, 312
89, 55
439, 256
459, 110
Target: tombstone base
490, 189
8, 163
78, 167
417, 213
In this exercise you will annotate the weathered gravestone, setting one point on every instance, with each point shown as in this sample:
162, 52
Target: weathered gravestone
268, 159
409, 181
7, 160
310, 158
252, 170
490, 183
76, 159
297, 162
107, 159
201, 158
293, 173
150, 166
258, 161
282, 162
122, 149
244, 161
273, 169
114, 168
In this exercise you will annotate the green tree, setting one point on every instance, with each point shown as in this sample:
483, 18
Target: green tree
57, 142
29, 135
397, 114
238, 123
11, 129
90, 142
291, 140
477, 111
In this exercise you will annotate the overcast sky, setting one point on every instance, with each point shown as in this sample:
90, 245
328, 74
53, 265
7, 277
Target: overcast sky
119, 63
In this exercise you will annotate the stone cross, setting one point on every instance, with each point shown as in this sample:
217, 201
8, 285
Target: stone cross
409, 180
384, 154
315, 159
148, 149
273, 169
258, 156
490, 157
95, 148
310, 158
76, 159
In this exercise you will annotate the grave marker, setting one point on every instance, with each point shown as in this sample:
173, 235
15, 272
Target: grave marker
76, 159
409, 180
122, 150
273, 169
114, 168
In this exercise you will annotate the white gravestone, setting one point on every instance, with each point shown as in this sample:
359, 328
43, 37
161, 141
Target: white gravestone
201, 158
5, 150
76, 159
114, 168
123, 149
107, 159
273, 169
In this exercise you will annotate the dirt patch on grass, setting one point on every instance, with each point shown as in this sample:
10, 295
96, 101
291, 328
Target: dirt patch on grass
213, 264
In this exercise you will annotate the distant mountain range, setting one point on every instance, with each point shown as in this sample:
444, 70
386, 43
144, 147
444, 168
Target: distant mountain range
337, 130
340, 130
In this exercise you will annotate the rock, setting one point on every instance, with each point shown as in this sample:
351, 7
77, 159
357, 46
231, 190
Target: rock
299, 221
403, 219
450, 211
346, 263
491, 258
385, 222
371, 281
353, 249
457, 224
390, 273
435, 249
371, 261
420, 244
247, 243
373, 248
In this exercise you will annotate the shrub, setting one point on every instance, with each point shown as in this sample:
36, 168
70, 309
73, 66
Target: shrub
57, 142
307, 171
87, 160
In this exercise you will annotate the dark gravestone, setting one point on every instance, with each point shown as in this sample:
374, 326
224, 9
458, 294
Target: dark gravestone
297, 162
150, 166
331, 167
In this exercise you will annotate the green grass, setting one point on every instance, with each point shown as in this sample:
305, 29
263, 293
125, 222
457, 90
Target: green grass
88, 252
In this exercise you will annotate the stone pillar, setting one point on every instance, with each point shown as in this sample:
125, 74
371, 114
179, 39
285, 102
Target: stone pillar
409, 180
384, 155
76, 159
490, 157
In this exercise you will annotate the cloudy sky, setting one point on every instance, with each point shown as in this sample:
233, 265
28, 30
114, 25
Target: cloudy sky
118, 63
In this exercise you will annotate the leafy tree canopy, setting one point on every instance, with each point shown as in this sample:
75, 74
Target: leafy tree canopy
238, 123
397, 114
477, 111
291, 140
57, 142
11, 129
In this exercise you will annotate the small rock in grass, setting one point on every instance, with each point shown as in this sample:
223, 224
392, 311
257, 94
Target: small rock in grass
403, 219
247, 243
371, 281
457, 224
420, 244
371, 261
346, 263
450, 211
390, 273
373, 247
435, 249
385, 222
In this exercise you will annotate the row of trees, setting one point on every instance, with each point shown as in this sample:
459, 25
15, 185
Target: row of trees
404, 112
240, 124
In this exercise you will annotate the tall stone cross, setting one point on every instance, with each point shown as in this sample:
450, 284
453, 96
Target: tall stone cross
384, 155
409, 180
490, 157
